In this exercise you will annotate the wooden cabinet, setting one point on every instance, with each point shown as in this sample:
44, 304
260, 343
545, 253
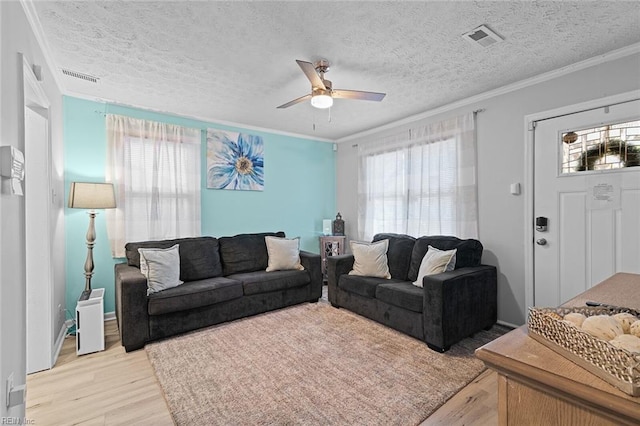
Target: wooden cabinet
330, 245
537, 386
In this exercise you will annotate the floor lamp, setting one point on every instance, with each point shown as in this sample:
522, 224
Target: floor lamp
92, 196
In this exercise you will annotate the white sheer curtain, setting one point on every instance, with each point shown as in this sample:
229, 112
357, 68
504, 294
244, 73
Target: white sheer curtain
155, 169
421, 181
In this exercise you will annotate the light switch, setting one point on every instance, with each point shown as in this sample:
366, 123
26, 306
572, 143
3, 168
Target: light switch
515, 188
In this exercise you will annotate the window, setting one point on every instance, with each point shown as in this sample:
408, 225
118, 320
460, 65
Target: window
155, 168
608, 147
421, 182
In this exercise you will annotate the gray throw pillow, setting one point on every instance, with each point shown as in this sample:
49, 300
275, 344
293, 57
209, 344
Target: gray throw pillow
161, 267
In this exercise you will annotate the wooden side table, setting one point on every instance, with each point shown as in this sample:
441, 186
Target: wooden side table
537, 386
330, 245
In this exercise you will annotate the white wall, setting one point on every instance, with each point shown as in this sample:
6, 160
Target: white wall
16, 37
501, 159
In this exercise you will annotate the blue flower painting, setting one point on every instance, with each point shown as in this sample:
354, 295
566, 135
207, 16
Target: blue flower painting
234, 161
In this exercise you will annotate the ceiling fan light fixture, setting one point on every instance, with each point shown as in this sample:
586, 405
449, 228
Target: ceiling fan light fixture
321, 101
322, 92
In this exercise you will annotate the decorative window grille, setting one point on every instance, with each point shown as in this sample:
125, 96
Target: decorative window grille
608, 147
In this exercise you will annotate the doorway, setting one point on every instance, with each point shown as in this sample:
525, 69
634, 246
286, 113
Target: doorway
586, 198
38, 244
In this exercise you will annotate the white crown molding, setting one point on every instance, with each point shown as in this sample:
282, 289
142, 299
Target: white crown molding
587, 63
195, 117
36, 27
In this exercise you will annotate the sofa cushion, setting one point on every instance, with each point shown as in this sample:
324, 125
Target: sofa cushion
258, 282
370, 259
199, 257
194, 294
245, 252
435, 262
469, 252
401, 294
161, 268
398, 253
283, 253
364, 286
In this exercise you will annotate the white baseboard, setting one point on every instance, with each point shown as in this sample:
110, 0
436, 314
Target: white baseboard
59, 341
507, 324
108, 316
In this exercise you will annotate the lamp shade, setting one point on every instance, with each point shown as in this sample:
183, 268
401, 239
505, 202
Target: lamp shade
89, 195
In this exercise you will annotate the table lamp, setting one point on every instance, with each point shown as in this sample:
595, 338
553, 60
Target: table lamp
92, 196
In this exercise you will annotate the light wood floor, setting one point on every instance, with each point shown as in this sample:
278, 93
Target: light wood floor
475, 404
117, 388
104, 388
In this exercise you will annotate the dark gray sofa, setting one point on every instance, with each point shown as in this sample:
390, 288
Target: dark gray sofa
450, 306
224, 279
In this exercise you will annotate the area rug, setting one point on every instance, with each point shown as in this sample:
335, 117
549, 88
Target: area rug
310, 364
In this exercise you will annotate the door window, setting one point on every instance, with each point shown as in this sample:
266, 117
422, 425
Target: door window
612, 146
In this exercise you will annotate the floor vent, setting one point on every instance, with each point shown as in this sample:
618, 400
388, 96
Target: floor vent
482, 36
81, 76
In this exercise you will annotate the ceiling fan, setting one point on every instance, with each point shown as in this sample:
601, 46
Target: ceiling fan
322, 92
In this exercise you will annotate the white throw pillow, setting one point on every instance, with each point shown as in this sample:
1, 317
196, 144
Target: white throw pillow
161, 267
436, 261
370, 259
284, 254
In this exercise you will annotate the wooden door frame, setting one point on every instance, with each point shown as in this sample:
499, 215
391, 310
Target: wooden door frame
529, 177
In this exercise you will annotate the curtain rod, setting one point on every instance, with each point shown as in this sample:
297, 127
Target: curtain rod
355, 145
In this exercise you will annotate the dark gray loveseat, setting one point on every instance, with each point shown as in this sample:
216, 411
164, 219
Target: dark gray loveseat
224, 279
450, 306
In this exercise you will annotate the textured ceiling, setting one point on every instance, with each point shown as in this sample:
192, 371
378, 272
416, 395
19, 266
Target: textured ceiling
235, 61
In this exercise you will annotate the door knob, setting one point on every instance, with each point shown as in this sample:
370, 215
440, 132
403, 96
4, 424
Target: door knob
541, 242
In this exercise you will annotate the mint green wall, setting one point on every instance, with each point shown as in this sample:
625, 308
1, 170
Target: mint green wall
299, 190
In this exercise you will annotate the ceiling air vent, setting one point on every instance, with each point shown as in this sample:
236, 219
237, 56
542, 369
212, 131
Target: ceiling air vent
81, 76
482, 36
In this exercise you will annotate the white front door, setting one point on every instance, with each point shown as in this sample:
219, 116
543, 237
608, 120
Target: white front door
593, 217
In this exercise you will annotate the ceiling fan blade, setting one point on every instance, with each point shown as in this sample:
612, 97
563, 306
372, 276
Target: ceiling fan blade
356, 94
295, 101
310, 71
